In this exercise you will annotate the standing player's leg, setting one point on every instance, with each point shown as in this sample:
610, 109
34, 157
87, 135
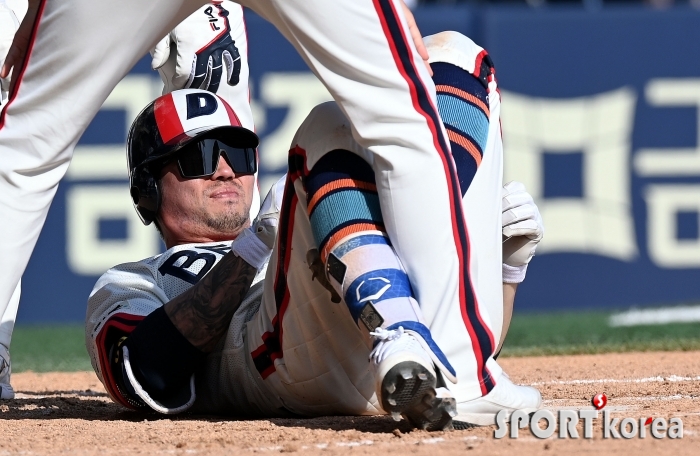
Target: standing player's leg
9, 15
79, 50
469, 105
383, 87
7, 325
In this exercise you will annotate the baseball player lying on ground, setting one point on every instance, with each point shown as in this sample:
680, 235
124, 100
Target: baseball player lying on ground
308, 310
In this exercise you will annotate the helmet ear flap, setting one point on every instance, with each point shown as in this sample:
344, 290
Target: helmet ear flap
145, 194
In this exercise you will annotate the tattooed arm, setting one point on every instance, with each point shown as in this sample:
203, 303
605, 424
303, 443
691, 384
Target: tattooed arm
203, 313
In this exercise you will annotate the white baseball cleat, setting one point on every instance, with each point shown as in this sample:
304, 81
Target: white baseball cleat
505, 395
6, 391
406, 381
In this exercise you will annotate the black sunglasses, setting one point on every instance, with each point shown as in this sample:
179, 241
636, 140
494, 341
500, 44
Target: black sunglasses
201, 158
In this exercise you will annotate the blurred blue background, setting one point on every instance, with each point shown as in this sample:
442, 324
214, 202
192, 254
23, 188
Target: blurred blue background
600, 121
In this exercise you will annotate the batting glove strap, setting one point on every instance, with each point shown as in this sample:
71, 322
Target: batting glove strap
255, 244
251, 248
514, 274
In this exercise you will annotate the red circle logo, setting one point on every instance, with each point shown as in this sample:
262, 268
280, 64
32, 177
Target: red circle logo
599, 401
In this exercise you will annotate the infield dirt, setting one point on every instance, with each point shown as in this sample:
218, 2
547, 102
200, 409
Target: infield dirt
60, 413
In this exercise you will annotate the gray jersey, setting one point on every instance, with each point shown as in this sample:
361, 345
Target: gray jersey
127, 293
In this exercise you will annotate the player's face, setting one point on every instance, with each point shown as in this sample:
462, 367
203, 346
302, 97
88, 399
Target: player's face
205, 209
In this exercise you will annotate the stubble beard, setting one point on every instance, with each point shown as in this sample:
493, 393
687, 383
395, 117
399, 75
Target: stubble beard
231, 221
228, 222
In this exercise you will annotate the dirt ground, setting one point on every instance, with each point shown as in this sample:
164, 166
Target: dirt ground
59, 413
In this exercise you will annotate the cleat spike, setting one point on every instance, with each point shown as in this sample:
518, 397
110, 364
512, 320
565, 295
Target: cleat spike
432, 415
407, 389
451, 407
447, 427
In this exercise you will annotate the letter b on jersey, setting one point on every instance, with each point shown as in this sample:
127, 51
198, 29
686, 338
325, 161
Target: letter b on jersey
187, 270
200, 104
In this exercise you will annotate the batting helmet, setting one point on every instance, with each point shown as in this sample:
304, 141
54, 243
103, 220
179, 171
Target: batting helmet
164, 127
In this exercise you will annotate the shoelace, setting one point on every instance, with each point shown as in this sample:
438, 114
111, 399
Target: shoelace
383, 338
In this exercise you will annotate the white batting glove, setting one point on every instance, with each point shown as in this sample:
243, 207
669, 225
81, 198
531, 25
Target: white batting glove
204, 48
8, 26
522, 230
256, 242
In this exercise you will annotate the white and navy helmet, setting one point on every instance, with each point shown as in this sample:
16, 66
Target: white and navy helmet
167, 125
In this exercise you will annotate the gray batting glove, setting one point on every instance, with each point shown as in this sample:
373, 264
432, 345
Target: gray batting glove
256, 242
522, 225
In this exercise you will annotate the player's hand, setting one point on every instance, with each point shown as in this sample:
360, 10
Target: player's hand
204, 48
9, 24
417, 37
265, 224
522, 225
255, 243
